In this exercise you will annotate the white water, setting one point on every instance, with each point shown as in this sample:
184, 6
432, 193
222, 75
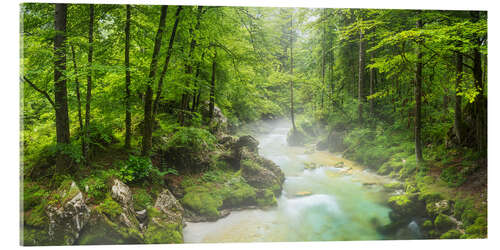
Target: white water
337, 205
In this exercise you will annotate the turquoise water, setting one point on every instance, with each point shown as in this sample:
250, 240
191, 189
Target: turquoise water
324, 204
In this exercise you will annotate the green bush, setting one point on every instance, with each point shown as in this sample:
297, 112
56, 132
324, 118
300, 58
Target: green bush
452, 234
33, 194
135, 169
95, 186
453, 176
109, 207
443, 223
142, 199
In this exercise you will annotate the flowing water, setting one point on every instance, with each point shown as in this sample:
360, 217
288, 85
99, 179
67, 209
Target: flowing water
333, 202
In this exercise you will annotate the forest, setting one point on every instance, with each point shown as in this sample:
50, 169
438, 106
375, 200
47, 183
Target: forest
158, 124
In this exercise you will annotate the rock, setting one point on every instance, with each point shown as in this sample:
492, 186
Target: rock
121, 193
237, 146
249, 142
303, 193
404, 207
165, 220
67, 215
141, 215
114, 220
435, 208
443, 223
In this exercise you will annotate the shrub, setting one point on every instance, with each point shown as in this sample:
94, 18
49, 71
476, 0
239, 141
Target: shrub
142, 199
443, 223
452, 234
135, 169
95, 186
453, 176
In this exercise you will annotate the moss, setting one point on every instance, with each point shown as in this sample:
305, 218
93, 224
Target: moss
109, 207
142, 199
33, 195
427, 225
451, 234
469, 216
393, 186
430, 196
239, 194
166, 234
266, 198
102, 230
433, 234
35, 236
36, 217
202, 200
477, 230
443, 223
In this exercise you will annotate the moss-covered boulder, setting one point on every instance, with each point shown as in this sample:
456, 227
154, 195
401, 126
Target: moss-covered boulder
165, 220
404, 207
444, 223
440, 207
113, 221
451, 234
67, 214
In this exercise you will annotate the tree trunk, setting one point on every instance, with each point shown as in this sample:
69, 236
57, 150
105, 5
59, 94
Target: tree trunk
418, 99
128, 120
148, 99
189, 68
458, 99
291, 74
212, 87
372, 83
78, 100
361, 75
60, 91
167, 60
89, 82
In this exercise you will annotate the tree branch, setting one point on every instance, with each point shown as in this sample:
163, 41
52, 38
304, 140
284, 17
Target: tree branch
44, 93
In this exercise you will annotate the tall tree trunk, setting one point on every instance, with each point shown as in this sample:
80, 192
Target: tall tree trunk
128, 120
372, 83
60, 91
458, 99
78, 100
418, 99
361, 75
480, 104
212, 87
89, 82
323, 64
189, 67
167, 60
148, 99
291, 74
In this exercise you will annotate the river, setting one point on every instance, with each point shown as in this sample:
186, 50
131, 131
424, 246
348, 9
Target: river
338, 201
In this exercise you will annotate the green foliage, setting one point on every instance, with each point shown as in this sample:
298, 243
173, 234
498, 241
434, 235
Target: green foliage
452, 234
142, 199
478, 229
135, 169
95, 187
443, 223
33, 195
109, 207
454, 176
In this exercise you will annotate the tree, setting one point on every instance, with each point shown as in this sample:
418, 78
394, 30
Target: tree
128, 119
60, 91
89, 82
148, 99
418, 98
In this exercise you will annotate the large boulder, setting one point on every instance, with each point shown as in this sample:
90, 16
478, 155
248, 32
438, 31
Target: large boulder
262, 173
165, 220
114, 220
67, 214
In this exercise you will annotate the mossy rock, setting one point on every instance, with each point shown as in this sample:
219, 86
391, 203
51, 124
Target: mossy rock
393, 186
427, 225
162, 229
203, 201
266, 198
478, 230
440, 207
142, 199
443, 223
103, 230
405, 206
35, 236
451, 234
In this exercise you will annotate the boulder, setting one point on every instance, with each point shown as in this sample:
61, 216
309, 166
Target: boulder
165, 220
262, 173
67, 215
114, 220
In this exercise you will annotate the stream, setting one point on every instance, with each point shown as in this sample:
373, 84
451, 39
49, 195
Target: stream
330, 203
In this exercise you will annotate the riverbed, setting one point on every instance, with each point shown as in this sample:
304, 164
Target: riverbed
333, 200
